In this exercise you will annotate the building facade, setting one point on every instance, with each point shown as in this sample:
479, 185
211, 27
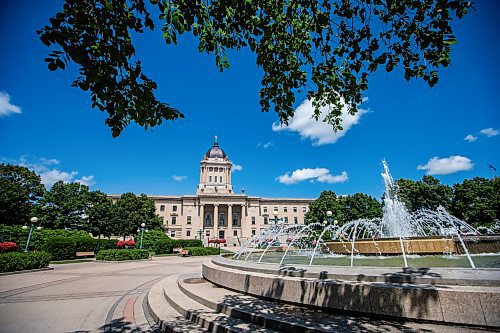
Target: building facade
215, 211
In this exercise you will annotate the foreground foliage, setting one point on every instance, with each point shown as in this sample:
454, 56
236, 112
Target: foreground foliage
18, 261
326, 48
202, 251
120, 255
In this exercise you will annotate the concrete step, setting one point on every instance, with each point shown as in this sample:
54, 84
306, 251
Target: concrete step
164, 315
203, 316
292, 318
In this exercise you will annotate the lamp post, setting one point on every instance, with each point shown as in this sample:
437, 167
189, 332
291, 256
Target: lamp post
141, 229
276, 218
200, 233
33, 221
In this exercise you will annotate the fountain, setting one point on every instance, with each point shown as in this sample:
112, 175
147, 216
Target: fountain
398, 233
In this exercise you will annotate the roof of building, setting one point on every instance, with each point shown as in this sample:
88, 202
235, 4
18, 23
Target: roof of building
215, 151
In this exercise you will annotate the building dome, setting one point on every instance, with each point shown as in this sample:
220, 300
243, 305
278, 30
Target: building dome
215, 151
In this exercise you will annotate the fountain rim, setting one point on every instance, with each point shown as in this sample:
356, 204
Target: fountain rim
461, 276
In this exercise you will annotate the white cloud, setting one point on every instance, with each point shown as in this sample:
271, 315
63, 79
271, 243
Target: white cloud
265, 145
318, 131
489, 132
236, 167
50, 176
49, 161
444, 166
179, 178
318, 174
6, 108
470, 138
86, 180
331, 179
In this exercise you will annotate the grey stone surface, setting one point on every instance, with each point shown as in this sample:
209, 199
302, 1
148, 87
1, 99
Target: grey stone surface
438, 303
85, 297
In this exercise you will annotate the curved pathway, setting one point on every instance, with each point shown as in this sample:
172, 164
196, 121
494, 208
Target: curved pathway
86, 297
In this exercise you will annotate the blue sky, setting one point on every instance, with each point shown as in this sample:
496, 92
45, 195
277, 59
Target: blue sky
49, 126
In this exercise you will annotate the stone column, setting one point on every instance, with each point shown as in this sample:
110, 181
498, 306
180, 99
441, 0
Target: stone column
216, 220
230, 215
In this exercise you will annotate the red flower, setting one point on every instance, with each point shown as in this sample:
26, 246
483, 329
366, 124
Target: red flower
7, 246
120, 243
130, 242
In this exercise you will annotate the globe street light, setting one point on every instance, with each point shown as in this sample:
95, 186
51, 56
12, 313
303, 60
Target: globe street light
141, 229
33, 220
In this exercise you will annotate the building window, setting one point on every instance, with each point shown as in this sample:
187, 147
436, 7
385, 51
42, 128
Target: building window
304, 209
285, 219
235, 219
235, 233
174, 208
189, 219
295, 220
265, 209
210, 169
188, 233
222, 219
209, 179
172, 234
174, 220
207, 233
208, 220
275, 210
253, 220
220, 179
253, 232
162, 208
295, 209
285, 209
265, 220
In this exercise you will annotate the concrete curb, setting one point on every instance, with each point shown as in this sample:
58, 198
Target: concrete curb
28, 271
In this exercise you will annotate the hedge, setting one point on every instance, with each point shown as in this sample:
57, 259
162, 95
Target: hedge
202, 251
188, 243
61, 248
120, 255
18, 261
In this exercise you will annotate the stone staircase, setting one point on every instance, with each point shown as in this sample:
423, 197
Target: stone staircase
189, 303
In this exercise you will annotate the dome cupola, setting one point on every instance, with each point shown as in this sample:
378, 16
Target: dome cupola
215, 151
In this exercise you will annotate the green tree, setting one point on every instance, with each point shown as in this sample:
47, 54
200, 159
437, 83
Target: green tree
428, 193
359, 206
130, 211
477, 201
100, 212
64, 206
327, 201
20, 190
327, 49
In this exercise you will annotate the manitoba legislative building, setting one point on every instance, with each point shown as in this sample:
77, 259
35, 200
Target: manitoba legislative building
215, 211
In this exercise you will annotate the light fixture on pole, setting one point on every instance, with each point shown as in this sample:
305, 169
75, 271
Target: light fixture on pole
200, 233
142, 229
33, 221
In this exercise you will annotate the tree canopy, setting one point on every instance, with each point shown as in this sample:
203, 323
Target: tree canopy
20, 190
326, 49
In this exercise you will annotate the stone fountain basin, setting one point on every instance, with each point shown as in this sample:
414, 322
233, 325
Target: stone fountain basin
442, 295
417, 245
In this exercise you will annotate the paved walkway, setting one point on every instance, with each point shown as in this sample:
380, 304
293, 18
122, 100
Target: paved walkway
86, 297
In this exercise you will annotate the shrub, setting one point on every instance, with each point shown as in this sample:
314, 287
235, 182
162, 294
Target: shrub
190, 243
202, 251
17, 261
85, 244
163, 247
104, 244
120, 255
61, 248
8, 246
151, 238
